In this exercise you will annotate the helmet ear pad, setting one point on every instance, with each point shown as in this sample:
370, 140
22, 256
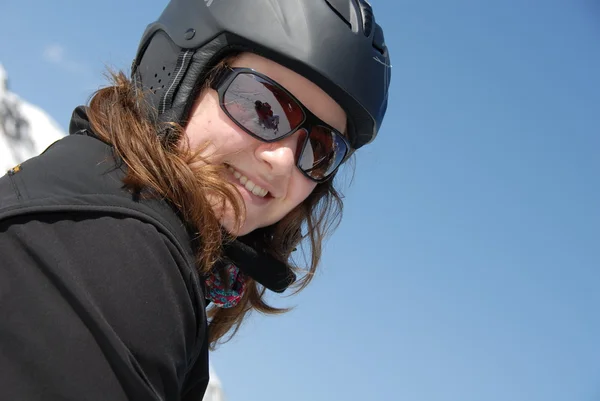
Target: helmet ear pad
155, 69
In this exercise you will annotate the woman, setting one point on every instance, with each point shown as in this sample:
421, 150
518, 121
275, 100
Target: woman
171, 195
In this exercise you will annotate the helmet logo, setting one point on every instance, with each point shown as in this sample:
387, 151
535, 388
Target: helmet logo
381, 62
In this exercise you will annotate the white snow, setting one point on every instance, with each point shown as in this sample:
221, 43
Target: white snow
25, 129
214, 391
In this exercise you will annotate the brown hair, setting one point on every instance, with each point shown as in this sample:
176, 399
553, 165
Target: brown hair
157, 163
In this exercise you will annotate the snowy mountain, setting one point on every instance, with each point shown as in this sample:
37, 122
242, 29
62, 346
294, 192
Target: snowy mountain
25, 131
214, 391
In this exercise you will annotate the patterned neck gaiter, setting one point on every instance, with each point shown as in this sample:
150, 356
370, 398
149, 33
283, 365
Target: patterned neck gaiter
225, 295
241, 262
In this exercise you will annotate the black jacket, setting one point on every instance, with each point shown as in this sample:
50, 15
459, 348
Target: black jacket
99, 299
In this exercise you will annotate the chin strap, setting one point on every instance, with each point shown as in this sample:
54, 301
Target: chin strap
243, 261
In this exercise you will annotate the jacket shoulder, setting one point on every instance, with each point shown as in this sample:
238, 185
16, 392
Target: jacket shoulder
80, 174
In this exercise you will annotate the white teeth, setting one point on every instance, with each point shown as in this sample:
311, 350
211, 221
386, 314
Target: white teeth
250, 186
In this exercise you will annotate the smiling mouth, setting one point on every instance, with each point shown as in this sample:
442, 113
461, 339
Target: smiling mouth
247, 183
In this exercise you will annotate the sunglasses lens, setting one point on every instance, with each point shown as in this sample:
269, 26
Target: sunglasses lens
323, 153
261, 107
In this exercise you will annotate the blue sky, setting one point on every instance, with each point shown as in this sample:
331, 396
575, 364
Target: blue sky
467, 265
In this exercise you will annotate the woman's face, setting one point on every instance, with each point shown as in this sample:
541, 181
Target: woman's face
265, 173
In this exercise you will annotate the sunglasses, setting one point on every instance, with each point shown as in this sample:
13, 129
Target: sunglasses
269, 113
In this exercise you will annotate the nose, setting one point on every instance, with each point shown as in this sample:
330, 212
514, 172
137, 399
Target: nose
280, 156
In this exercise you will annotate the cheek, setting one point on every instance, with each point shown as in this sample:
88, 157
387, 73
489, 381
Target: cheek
300, 189
209, 126
200, 125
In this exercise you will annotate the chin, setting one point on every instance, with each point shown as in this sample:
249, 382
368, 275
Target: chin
239, 230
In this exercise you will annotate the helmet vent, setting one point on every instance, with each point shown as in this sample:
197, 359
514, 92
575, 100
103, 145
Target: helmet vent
367, 13
159, 79
341, 9
379, 41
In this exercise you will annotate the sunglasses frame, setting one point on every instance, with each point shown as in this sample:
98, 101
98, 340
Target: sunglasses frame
225, 78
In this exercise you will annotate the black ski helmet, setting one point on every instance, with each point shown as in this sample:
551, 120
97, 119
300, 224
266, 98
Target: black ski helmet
334, 43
